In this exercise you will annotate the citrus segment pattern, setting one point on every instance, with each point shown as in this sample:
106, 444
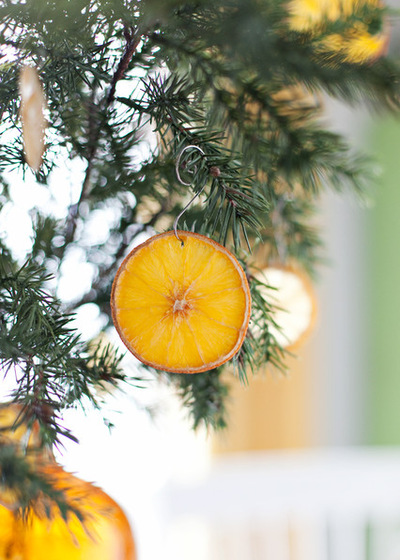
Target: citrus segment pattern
183, 306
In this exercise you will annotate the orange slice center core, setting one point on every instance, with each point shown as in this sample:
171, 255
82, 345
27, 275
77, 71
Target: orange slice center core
179, 302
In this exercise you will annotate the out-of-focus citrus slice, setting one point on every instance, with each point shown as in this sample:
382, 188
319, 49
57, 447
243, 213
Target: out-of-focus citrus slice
33, 104
360, 42
357, 46
181, 307
307, 15
291, 294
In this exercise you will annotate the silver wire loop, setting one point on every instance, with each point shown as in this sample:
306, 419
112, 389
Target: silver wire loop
178, 162
177, 165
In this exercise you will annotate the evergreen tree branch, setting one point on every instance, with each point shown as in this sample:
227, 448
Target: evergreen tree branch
94, 124
106, 274
27, 486
169, 103
132, 41
204, 396
53, 368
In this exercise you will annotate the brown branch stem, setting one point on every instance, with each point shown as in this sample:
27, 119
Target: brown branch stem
132, 42
90, 296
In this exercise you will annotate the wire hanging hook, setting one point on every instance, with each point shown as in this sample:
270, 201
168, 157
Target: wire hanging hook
177, 165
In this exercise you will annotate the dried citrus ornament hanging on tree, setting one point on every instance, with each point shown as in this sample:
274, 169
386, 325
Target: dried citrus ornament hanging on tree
33, 104
181, 305
360, 42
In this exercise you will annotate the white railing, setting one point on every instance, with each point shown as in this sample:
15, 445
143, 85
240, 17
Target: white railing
332, 504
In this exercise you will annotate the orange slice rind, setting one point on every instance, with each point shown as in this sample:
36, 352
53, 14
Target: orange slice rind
181, 307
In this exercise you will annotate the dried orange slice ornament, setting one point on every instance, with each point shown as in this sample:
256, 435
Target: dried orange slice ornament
292, 296
181, 305
362, 42
33, 104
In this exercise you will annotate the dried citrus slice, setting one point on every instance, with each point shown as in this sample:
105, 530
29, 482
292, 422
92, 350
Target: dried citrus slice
357, 46
361, 42
181, 307
33, 104
291, 294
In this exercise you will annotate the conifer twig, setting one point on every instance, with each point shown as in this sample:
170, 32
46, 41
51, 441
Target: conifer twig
132, 42
90, 296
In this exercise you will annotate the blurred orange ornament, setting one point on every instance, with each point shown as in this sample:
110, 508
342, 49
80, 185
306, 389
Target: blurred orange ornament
291, 294
360, 42
103, 534
33, 120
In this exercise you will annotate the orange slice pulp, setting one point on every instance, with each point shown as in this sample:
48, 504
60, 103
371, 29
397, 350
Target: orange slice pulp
181, 307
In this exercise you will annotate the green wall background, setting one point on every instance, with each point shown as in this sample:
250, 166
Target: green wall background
383, 288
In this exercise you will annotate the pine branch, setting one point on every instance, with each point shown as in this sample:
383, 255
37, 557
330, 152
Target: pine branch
94, 125
106, 274
273, 124
203, 395
53, 368
170, 104
132, 41
30, 488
